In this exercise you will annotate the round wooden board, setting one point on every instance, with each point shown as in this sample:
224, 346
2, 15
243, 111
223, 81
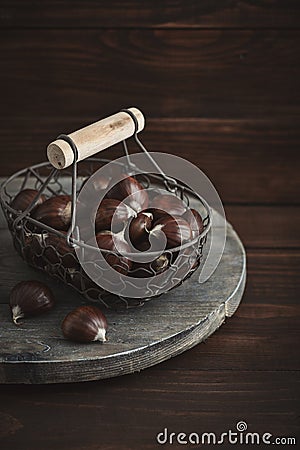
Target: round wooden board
36, 351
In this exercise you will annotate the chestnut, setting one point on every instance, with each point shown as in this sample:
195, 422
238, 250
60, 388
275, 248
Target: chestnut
24, 199
169, 203
155, 267
85, 324
157, 213
32, 250
30, 298
55, 212
100, 183
106, 241
129, 186
112, 209
36, 242
139, 229
177, 231
195, 220
58, 251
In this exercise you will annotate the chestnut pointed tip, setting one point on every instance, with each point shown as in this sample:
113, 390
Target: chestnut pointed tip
17, 314
101, 335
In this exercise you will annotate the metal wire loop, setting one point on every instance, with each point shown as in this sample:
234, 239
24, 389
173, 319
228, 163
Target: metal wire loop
73, 146
132, 115
170, 183
65, 137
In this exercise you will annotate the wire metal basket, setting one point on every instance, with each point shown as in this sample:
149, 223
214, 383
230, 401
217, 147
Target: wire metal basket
53, 251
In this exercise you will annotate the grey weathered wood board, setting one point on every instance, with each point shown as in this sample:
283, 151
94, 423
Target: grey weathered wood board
36, 352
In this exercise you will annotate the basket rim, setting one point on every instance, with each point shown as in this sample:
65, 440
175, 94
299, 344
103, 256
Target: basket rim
80, 243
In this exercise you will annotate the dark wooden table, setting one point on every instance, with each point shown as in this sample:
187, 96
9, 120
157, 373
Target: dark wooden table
219, 84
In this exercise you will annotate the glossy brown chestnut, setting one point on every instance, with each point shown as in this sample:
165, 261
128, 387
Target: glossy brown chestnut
112, 209
98, 183
129, 186
157, 214
36, 242
177, 231
55, 212
146, 270
195, 220
58, 251
169, 203
85, 324
106, 241
30, 298
139, 228
24, 199
32, 250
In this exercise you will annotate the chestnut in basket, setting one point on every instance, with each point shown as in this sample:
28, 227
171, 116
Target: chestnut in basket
129, 186
152, 268
176, 229
24, 199
32, 250
55, 212
112, 209
169, 203
139, 229
157, 213
106, 241
58, 251
99, 184
195, 220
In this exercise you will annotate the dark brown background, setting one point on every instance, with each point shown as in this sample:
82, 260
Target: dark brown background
219, 84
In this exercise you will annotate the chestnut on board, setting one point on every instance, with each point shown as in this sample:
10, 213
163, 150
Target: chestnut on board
30, 298
85, 324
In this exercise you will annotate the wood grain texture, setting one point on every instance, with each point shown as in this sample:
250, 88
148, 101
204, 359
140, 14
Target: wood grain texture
35, 352
96, 137
166, 73
231, 76
249, 161
128, 412
266, 226
146, 13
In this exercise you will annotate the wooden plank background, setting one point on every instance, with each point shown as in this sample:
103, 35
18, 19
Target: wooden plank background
219, 84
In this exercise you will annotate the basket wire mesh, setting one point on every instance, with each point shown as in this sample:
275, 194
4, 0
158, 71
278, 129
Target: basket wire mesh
53, 251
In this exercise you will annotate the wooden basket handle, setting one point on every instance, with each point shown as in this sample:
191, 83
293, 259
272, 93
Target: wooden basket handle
95, 137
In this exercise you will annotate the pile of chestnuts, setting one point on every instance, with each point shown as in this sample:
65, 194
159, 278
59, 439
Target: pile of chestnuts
83, 324
127, 219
